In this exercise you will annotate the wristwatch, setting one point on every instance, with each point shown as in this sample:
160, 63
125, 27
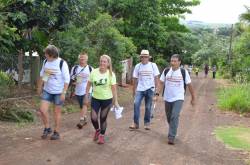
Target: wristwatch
156, 94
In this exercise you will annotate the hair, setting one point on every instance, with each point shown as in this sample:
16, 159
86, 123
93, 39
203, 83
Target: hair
52, 51
83, 53
176, 56
110, 63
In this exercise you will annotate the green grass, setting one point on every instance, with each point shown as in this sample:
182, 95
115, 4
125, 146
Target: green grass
235, 98
234, 137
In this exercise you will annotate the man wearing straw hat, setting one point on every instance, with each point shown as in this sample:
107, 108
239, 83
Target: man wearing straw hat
145, 77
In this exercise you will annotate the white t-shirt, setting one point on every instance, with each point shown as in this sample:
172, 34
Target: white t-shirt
54, 78
145, 73
82, 76
174, 85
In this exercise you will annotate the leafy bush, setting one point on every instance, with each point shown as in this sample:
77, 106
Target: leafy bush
235, 98
16, 115
6, 82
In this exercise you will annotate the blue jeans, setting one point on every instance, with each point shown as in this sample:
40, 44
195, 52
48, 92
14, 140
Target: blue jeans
148, 96
173, 110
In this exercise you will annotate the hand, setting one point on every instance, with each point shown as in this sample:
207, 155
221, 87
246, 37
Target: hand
116, 105
39, 91
62, 97
155, 98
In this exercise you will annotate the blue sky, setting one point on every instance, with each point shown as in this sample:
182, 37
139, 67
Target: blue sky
218, 11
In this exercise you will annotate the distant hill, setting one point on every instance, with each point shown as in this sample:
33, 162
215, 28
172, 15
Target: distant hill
199, 24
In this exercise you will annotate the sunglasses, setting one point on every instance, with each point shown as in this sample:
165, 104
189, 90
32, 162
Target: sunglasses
144, 57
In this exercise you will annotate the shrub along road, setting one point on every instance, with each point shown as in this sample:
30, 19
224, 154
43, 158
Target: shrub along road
195, 144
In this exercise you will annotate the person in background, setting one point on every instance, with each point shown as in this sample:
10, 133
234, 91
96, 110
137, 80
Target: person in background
206, 69
79, 75
214, 71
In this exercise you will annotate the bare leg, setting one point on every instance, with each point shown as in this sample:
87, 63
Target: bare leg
57, 117
44, 113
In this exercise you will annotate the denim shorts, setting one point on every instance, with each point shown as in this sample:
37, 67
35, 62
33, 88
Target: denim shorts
80, 99
53, 98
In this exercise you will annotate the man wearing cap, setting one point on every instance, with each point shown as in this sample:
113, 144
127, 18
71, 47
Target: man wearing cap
145, 83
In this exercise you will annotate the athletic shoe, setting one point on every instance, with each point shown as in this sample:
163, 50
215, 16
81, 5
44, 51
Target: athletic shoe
101, 139
170, 141
81, 123
55, 136
97, 133
46, 132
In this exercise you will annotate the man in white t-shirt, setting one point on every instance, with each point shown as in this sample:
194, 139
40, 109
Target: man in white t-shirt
175, 80
54, 78
80, 74
146, 81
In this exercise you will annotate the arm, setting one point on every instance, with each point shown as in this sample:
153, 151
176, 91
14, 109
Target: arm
66, 77
86, 98
157, 84
135, 82
190, 88
39, 86
114, 92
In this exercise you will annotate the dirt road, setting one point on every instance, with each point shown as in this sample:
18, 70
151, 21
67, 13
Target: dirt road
195, 145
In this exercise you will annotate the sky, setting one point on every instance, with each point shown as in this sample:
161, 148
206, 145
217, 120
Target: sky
218, 11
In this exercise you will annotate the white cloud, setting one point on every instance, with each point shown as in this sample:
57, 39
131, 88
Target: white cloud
218, 11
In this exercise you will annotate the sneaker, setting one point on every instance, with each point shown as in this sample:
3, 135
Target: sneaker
97, 133
147, 127
81, 123
134, 126
55, 136
46, 132
170, 141
101, 139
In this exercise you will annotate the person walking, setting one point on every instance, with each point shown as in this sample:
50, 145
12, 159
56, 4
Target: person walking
103, 81
174, 80
79, 75
146, 79
206, 69
214, 71
52, 86
196, 70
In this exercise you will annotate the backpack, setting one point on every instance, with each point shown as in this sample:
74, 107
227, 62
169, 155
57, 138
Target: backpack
183, 73
60, 65
75, 69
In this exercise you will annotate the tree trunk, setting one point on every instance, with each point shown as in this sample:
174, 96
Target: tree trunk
20, 70
31, 70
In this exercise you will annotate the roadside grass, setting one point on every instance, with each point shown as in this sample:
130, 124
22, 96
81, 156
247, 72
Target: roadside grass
234, 137
237, 138
235, 98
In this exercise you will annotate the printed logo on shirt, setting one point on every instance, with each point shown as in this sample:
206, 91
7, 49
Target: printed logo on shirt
174, 81
101, 82
145, 74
